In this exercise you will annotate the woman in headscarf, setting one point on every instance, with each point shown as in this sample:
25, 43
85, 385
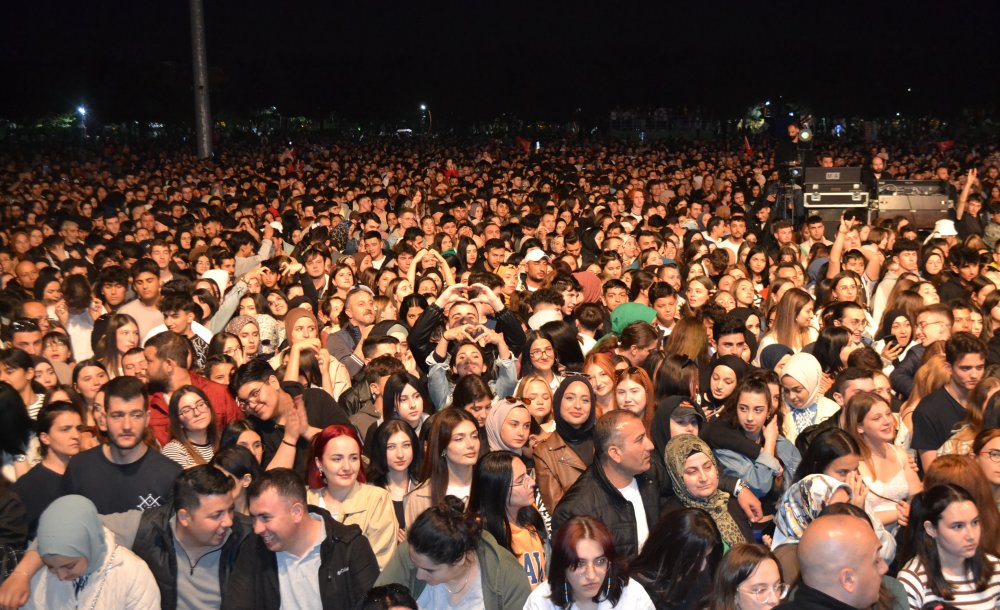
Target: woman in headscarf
694, 475
86, 568
723, 375
804, 404
774, 357
800, 505
248, 331
562, 457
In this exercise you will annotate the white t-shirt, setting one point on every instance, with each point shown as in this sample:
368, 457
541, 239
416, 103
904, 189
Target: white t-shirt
631, 493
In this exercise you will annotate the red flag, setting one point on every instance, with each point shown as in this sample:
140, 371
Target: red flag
946, 145
526, 145
746, 147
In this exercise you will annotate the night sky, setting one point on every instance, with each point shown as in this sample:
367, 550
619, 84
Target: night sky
476, 59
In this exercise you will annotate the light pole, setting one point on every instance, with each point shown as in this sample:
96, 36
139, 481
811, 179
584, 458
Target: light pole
82, 111
430, 117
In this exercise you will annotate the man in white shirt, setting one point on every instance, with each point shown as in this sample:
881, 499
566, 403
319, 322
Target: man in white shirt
618, 488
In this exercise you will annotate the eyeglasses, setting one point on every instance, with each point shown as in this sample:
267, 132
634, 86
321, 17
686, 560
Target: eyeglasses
543, 351
523, 480
762, 593
923, 325
252, 398
994, 455
197, 407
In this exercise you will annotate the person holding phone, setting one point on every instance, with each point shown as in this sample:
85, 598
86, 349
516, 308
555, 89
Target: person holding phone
895, 337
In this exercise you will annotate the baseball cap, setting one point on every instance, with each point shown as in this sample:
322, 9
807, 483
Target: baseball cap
534, 255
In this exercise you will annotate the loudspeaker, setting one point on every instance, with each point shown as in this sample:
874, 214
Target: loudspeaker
921, 210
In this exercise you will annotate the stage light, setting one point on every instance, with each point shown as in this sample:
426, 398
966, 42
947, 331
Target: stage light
423, 106
81, 110
806, 134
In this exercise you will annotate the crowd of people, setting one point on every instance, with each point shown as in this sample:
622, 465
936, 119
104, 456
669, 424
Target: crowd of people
433, 375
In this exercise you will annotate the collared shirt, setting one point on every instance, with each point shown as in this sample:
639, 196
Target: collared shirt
298, 577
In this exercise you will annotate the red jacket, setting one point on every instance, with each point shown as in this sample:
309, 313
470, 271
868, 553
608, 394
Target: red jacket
223, 404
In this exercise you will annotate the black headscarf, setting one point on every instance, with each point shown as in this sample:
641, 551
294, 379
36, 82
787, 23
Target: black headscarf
737, 364
580, 439
665, 407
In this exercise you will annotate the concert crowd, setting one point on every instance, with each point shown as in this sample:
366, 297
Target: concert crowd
434, 374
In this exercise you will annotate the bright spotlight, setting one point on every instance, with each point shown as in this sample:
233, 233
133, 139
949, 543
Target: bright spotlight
423, 106
81, 110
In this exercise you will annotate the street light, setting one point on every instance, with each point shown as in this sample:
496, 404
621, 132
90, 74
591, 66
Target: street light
430, 117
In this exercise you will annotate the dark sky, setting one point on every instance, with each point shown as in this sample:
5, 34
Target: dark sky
478, 58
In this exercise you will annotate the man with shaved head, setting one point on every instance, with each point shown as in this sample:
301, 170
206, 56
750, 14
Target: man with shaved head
840, 563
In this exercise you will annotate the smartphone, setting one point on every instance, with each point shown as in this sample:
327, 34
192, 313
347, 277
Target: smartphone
891, 341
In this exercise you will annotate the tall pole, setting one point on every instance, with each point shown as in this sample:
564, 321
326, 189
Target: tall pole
203, 115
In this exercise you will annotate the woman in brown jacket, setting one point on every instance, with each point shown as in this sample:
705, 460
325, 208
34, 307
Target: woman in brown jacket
566, 453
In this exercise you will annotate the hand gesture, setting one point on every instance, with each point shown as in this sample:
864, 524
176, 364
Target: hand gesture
409, 362
891, 351
294, 424
903, 511
485, 294
302, 419
450, 294
771, 430
96, 308
62, 312
323, 356
859, 491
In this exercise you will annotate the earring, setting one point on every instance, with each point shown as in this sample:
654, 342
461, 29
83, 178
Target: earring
607, 590
566, 589
444, 453
322, 476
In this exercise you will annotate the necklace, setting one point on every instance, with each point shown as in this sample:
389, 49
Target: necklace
468, 574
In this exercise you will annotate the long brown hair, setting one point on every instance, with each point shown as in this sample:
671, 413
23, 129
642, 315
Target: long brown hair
786, 330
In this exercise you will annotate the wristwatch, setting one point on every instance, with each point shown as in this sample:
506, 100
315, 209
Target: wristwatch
20, 458
739, 487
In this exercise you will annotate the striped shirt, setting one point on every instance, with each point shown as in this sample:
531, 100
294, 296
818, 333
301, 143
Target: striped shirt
175, 451
916, 582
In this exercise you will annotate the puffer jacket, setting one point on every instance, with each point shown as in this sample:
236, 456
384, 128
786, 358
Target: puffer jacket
123, 582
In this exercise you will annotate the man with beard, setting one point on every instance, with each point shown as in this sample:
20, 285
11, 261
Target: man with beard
356, 322
124, 474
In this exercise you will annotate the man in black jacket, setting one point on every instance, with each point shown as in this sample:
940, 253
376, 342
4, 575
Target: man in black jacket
840, 563
620, 487
199, 532
300, 554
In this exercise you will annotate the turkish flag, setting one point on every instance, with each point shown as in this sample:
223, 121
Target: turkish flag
946, 145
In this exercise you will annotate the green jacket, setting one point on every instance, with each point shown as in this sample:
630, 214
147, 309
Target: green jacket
505, 585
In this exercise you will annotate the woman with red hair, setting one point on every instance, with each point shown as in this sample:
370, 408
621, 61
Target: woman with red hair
337, 483
634, 392
586, 571
600, 368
